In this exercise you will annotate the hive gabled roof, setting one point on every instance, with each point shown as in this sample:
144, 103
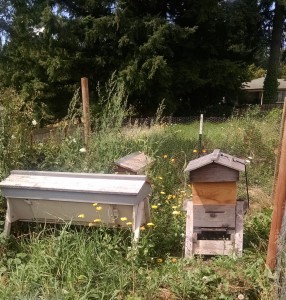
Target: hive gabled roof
217, 157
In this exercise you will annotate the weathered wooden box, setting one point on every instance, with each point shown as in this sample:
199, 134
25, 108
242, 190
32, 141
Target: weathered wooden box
134, 163
214, 215
80, 198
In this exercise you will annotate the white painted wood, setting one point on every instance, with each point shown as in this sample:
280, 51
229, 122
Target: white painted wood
96, 183
77, 187
138, 220
189, 229
201, 124
7, 228
213, 247
147, 209
8, 221
54, 197
239, 227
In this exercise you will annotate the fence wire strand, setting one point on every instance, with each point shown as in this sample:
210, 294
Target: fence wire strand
281, 262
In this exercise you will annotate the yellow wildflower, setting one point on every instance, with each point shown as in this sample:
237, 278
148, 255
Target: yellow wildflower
159, 260
150, 224
172, 159
81, 216
175, 212
94, 204
174, 196
174, 206
97, 220
174, 260
98, 208
90, 224
123, 219
204, 151
154, 206
165, 156
160, 177
162, 193
142, 228
129, 223
195, 150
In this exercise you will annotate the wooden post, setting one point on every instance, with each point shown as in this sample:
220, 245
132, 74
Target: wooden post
279, 197
85, 109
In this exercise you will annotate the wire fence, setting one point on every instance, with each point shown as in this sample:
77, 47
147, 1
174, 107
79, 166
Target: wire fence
64, 131
281, 262
61, 132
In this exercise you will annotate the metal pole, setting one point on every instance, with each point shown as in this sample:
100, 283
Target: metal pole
200, 135
85, 109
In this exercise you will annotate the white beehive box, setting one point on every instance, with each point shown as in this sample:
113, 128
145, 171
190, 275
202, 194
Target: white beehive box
80, 198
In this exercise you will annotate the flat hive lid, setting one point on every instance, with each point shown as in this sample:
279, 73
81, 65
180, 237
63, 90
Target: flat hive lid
71, 186
134, 162
217, 157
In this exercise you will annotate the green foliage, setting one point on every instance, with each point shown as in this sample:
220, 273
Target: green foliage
156, 48
15, 129
270, 88
257, 231
255, 72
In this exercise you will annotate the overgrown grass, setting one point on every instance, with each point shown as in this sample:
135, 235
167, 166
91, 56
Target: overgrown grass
67, 262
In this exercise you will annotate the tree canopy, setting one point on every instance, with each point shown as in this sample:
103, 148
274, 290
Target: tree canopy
189, 53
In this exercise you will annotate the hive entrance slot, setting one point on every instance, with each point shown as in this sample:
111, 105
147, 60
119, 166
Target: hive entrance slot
214, 235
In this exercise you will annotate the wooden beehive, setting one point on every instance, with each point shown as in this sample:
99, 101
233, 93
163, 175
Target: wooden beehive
214, 205
214, 178
80, 198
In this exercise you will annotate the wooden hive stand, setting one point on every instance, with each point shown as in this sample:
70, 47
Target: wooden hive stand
214, 224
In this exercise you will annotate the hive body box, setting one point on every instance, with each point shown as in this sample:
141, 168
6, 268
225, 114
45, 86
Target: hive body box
214, 216
80, 198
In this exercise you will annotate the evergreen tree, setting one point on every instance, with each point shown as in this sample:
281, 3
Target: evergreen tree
271, 83
190, 53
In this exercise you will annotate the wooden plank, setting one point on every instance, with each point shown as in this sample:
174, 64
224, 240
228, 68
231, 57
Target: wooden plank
213, 247
214, 216
214, 173
138, 219
239, 227
189, 229
112, 184
279, 196
135, 163
214, 193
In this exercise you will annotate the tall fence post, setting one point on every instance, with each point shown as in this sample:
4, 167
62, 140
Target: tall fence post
279, 196
85, 109
200, 135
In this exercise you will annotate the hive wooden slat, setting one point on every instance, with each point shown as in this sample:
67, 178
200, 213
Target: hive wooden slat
214, 193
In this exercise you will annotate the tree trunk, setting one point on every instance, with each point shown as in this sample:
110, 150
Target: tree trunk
271, 83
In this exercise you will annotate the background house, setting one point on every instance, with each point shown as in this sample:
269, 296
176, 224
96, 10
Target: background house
254, 91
